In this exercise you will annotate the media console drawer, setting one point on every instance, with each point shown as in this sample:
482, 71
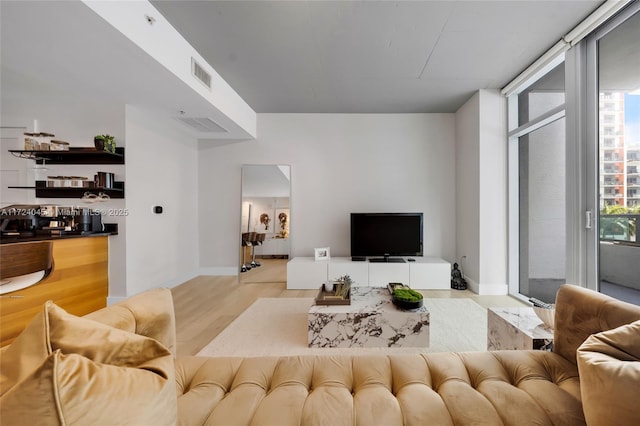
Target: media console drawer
430, 273
381, 274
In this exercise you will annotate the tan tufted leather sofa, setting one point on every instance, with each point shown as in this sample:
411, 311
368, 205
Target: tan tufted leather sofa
475, 388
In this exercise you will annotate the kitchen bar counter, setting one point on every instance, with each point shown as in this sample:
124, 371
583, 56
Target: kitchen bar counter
78, 281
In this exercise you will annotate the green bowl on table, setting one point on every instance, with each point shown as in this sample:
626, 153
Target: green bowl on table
406, 298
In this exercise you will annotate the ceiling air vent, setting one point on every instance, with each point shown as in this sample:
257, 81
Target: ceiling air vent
203, 124
198, 72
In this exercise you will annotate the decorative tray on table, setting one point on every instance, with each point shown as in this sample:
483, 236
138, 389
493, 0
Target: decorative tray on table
404, 297
335, 293
329, 298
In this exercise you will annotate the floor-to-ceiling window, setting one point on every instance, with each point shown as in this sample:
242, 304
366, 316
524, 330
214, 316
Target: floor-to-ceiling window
542, 211
574, 165
537, 152
614, 66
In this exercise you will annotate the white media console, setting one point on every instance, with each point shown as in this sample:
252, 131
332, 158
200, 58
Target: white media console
427, 273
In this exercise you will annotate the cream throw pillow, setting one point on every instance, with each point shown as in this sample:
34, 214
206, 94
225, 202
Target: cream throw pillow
25, 353
71, 370
609, 366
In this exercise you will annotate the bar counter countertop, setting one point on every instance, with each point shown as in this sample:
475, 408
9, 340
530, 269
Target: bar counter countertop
110, 229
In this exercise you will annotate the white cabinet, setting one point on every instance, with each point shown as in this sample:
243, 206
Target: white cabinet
428, 273
306, 273
381, 274
357, 271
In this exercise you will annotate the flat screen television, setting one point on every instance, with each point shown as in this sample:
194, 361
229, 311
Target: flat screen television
386, 234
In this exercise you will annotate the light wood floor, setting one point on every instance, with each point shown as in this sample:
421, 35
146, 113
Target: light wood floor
269, 271
205, 305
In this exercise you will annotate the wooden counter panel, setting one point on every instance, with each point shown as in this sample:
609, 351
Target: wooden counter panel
79, 283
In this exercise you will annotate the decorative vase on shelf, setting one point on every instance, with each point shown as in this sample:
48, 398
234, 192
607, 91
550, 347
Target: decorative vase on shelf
105, 143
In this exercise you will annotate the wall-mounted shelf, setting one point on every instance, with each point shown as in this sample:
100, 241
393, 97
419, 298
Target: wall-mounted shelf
82, 156
73, 156
44, 191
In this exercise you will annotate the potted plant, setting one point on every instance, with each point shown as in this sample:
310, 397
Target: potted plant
105, 142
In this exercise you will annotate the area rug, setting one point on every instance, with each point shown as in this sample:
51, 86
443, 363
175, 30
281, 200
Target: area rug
278, 327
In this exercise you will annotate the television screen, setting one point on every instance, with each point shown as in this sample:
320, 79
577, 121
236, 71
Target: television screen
386, 234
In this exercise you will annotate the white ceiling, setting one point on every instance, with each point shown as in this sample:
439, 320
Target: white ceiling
295, 56
62, 52
370, 56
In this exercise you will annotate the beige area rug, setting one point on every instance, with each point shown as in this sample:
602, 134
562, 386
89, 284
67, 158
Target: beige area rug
278, 326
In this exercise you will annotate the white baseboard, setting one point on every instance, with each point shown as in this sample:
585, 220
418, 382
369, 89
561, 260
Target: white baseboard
487, 289
472, 285
493, 290
180, 280
167, 284
220, 270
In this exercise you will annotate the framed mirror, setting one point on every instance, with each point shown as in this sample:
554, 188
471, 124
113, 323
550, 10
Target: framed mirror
265, 223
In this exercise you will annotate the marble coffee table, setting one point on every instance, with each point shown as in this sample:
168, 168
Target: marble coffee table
517, 328
372, 320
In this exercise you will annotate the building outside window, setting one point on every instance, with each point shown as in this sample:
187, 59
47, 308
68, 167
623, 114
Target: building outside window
619, 117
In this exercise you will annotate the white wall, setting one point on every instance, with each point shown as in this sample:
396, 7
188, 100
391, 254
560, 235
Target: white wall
481, 192
340, 163
161, 163
468, 188
493, 193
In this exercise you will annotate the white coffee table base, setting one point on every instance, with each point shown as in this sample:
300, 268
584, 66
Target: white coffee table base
517, 328
372, 320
